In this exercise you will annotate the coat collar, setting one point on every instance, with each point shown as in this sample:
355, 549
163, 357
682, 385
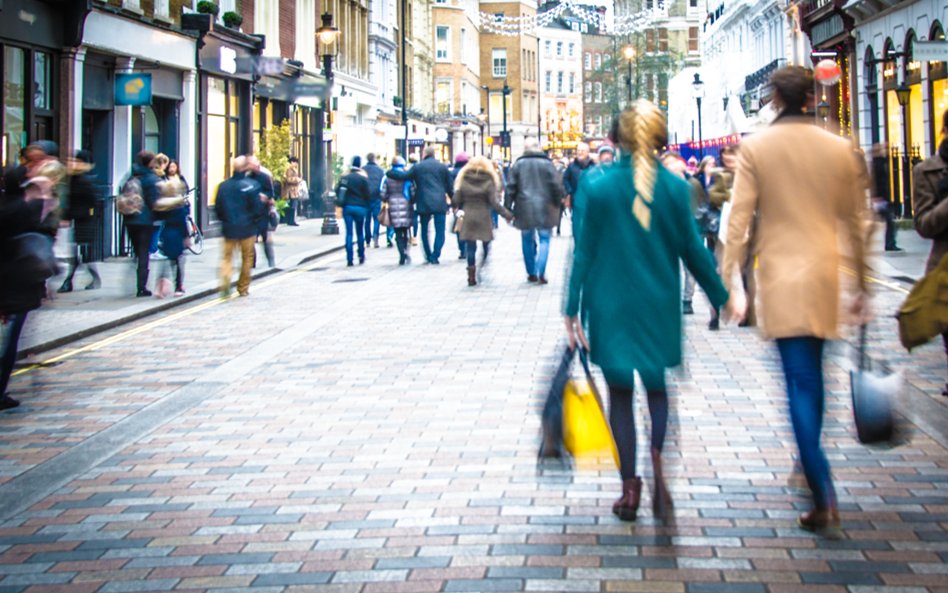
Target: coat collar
935, 163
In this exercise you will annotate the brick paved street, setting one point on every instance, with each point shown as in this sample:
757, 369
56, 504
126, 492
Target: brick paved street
374, 429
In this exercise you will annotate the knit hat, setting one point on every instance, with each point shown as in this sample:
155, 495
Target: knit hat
461, 157
607, 148
356, 162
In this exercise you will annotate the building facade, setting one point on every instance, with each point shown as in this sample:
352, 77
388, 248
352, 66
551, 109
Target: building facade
886, 57
561, 83
457, 93
509, 61
601, 89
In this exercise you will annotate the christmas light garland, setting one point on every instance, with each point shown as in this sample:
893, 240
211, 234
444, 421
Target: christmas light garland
514, 26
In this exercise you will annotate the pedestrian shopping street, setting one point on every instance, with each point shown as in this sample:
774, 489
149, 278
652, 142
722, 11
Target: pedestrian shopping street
375, 429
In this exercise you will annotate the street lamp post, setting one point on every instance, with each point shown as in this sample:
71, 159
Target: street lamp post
505, 135
487, 90
698, 88
904, 94
326, 37
483, 118
629, 54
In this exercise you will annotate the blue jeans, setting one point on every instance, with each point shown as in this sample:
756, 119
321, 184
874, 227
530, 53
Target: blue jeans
803, 369
432, 255
372, 221
533, 258
470, 250
354, 216
8, 356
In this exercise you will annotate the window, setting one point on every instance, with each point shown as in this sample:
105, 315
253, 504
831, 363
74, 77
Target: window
598, 61
587, 61
693, 3
443, 96
663, 39
692, 38
14, 103
589, 125
442, 43
571, 50
559, 82
162, 9
559, 49
649, 4
548, 48
597, 90
549, 81
131, 4
650, 41
598, 123
42, 81
572, 83
588, 92
499, 61
463, 46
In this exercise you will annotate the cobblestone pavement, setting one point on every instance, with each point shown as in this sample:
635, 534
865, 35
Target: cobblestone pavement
374, 429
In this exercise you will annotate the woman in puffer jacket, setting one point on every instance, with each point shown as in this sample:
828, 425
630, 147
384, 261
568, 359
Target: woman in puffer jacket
476, 192
397, 195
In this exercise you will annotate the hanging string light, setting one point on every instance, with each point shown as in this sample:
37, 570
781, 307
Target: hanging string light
514, 26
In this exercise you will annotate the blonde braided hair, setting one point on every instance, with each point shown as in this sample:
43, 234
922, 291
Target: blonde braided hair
642, 131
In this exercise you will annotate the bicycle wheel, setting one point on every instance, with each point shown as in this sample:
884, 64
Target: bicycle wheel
197, 243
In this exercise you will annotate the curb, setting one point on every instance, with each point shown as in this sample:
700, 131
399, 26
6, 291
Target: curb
171, 304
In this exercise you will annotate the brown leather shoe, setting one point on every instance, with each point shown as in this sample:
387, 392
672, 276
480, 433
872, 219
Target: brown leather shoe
825, 523
627, 506
542, 280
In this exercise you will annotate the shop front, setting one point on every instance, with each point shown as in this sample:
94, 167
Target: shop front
226, 76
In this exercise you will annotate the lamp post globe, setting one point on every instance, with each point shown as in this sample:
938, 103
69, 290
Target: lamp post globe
697, 87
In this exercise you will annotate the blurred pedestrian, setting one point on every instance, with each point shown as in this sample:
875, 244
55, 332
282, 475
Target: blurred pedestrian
375, 173
237, 207
397, 193
802, 203
355, 208
607, 155
882, 200
460, 161
433, 190
534, 194
172, 209
255, 171
476, 193
291, 190
721, 184
626, 280
80, 213
141, 225
571, 177
930, 196
676, 165
22, 289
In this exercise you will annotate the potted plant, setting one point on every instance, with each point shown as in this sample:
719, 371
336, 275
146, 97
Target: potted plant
232, 20
208, 7
274, 155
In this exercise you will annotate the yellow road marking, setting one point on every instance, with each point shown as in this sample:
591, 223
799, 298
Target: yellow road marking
159, 322
873, 280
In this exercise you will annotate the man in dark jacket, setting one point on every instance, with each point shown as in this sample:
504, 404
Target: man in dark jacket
572, 175
534, 194
433, 187
238, 207
375, 175
355, 208
83, 196
141, 226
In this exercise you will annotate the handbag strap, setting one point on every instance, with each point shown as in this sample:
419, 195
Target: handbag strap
864, 363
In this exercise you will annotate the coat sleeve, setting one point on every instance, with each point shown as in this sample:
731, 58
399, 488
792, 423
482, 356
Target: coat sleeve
744, 200
219, 209
494, 198
513, 186
931, 218
853, 214
587, 246
448, 182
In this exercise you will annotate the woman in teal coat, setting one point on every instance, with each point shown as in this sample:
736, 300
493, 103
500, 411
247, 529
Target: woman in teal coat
637, 225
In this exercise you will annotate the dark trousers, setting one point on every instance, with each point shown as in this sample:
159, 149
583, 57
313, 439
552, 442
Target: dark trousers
470, 250
372, 222
8, 356
432, 254
888, 215
291, 211
622, 418
141, 236
802, 360
354, 217
401, 239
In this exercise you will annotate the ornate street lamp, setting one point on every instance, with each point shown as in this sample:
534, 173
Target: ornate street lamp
904, 94
697, 87
326, 37
823, 110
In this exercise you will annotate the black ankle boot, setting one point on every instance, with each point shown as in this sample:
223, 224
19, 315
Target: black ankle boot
66, 286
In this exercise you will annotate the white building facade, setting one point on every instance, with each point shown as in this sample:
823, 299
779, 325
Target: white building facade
561, 86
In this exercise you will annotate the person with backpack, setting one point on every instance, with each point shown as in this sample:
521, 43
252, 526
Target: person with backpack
136, 203
28, 225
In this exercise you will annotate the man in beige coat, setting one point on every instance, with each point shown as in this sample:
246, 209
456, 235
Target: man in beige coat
803, 184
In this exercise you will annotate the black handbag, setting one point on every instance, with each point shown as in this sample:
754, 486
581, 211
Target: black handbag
874, 400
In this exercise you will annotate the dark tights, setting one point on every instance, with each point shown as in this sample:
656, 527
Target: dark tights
622, 420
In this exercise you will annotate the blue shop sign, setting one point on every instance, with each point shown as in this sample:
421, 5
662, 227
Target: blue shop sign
133, 89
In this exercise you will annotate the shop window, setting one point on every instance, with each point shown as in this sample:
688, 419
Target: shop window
42, 79
223, 117
152, 130
14, 103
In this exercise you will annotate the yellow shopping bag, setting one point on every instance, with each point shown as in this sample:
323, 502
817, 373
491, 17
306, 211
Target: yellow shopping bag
586, 433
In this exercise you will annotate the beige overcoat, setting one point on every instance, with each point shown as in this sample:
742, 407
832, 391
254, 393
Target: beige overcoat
805, 185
